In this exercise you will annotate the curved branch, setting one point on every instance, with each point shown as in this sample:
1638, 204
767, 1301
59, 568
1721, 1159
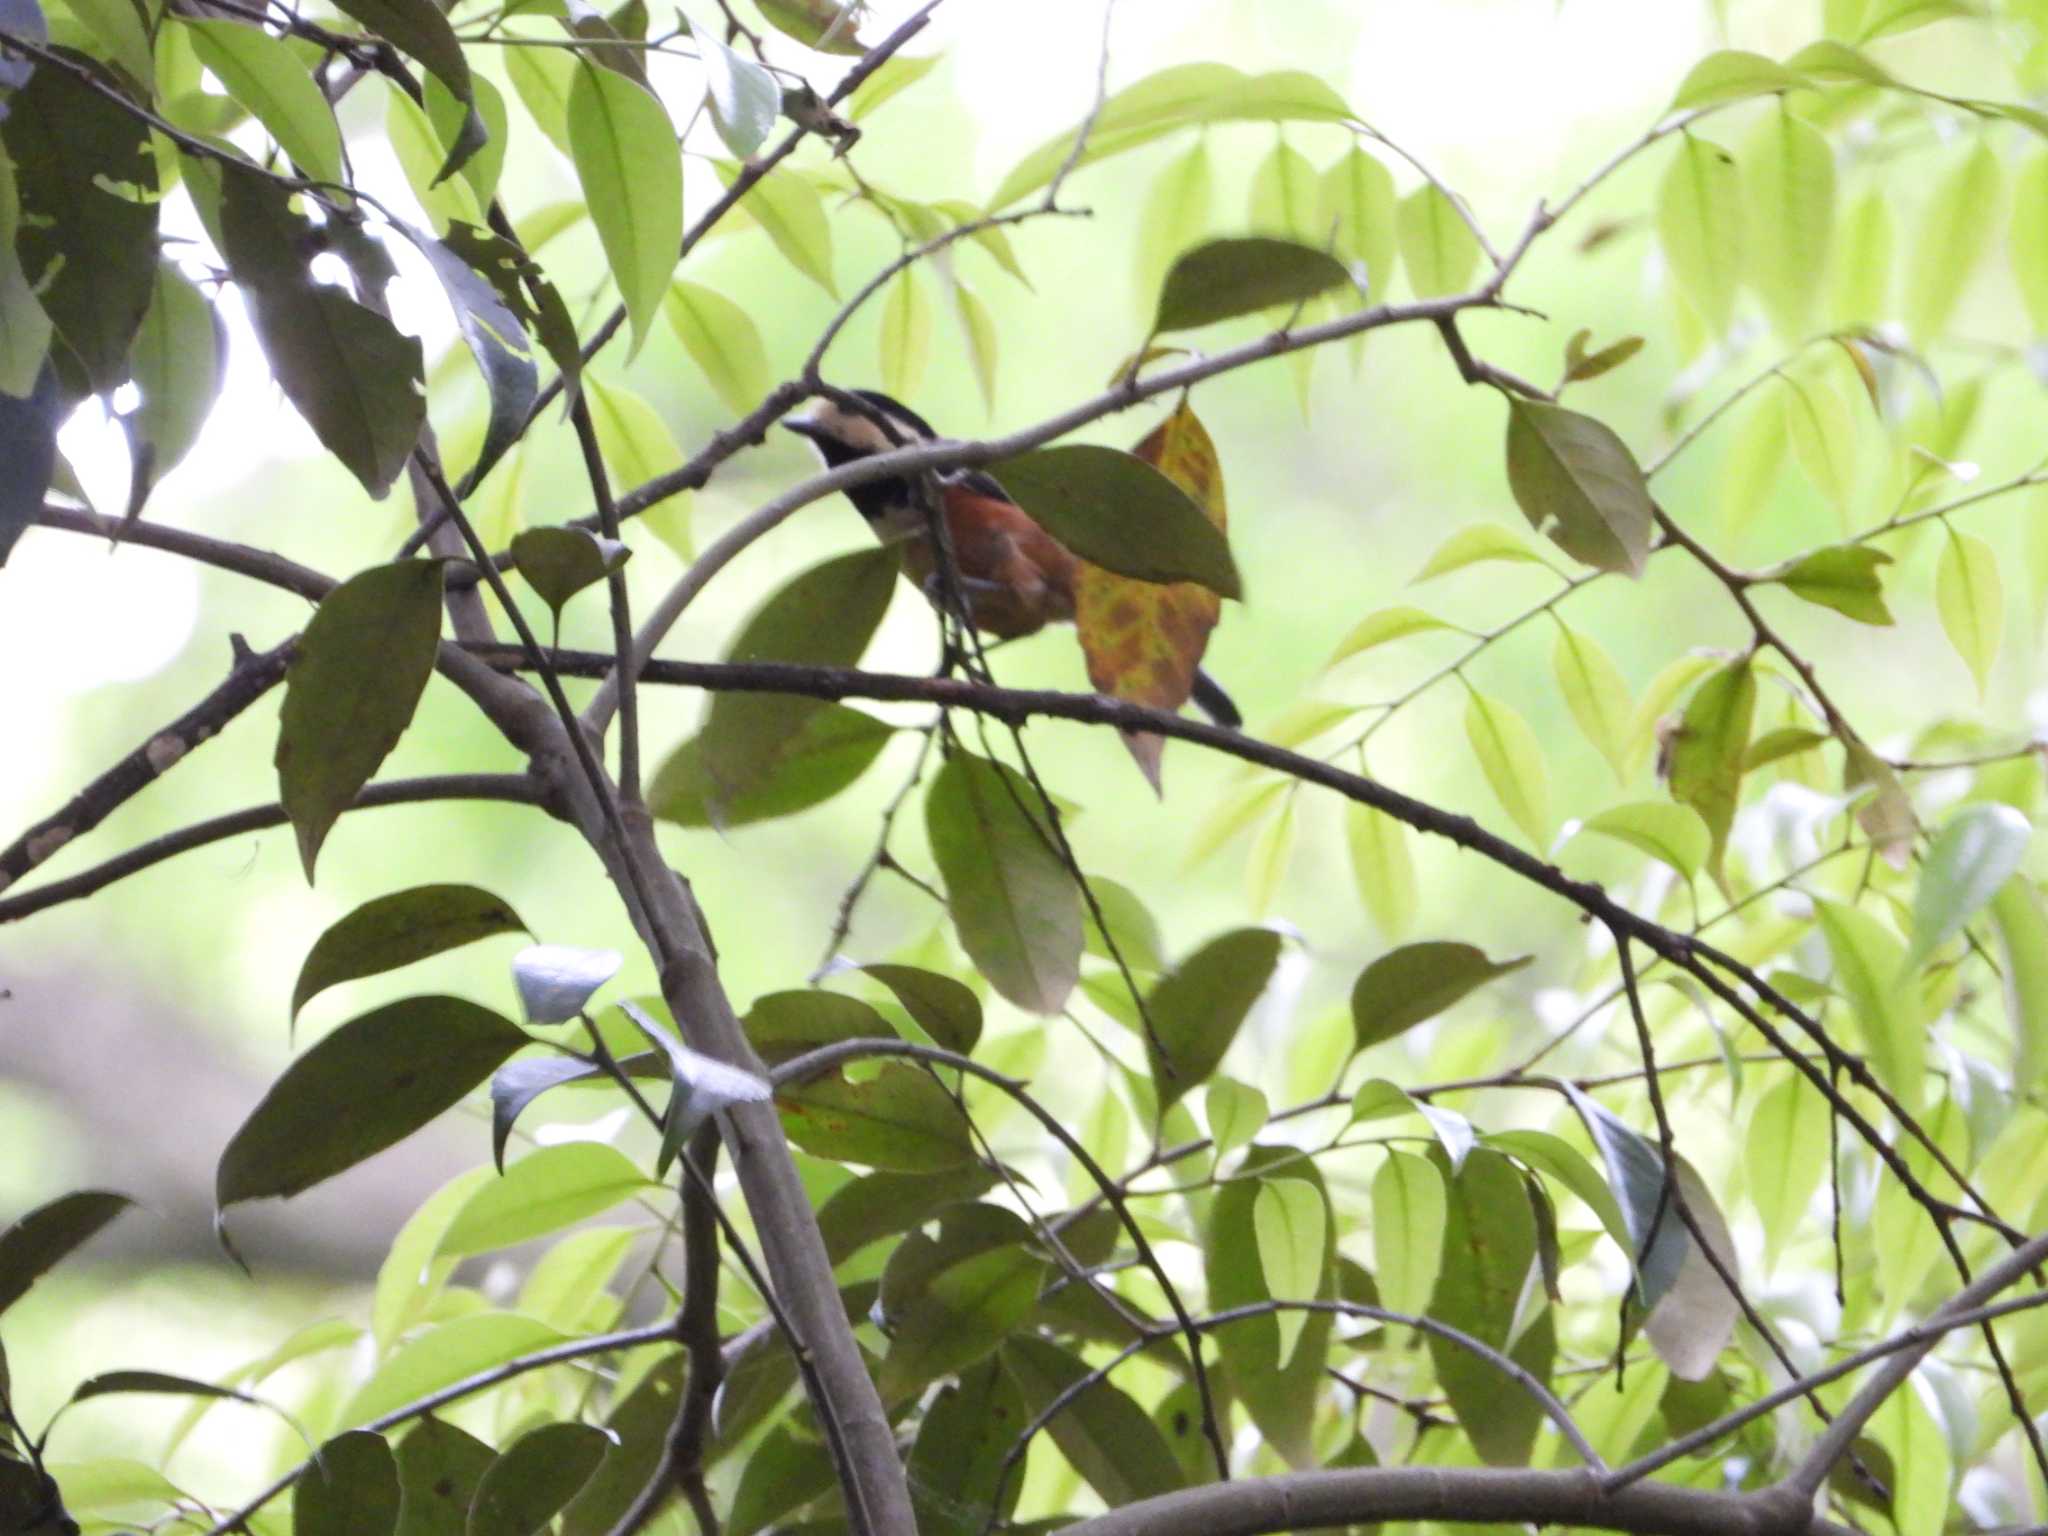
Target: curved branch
513, 788
224, 554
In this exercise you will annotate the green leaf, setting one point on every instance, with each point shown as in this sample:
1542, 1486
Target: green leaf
2023, 936
263, 74
879, 1205
1226, 279
1595, 691
1133, 927
943, 1008
1708, 749
1843, 577
1408, 1212
1732, 75
641, 1425
1174, 98
370, 1084
1176, 215
419, 27
1013, 900
1290, 1224
1437, 246
898, 73
1868, 960
954, 1299
1971, 602
24, 328
410, 1277
543, 78
1382, 867
823, 617
978, 330
177, 362
1577, 483
1103, 1434
1977, 850
1700, 223
1416, 982
1355, 200
745, 100
1198, 1007
791, 211
1785, 1152
1863, 268
1581, 365
443, 1356
722, 339
1115, 510
1479, 544
121, 28
2027, 240
1693, 1322
1558, 1159
398, 929
452, 118
559, 562
349, 372
1673, 834
827, 25
1488, 1249
906, 334
1922, 1480
829, 752
900, 1119
545, 1191
87, 248
960, 1455
496, 339
38, 1241
1787, 741
1388, 624
351, 690
1236, 1112
1512, 760
1821, 428
1283, 195
783, 1474
350, 1489
637, 448
534, 1478
632, 175
1281, 1394
1955, 231
1788, 170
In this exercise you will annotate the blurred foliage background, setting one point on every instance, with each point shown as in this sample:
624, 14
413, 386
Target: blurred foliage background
152, 1015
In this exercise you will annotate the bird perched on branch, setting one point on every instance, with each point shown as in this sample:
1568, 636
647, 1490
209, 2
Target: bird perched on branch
1015, 577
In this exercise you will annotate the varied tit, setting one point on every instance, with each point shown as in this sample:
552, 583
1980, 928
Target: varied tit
1015, 577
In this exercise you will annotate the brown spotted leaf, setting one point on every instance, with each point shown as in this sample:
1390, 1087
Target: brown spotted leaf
1144, 639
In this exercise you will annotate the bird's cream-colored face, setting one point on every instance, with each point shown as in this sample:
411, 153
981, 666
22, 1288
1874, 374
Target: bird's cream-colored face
829, 420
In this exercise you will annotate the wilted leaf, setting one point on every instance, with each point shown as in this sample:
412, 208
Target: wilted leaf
1013, 900
354, 682
371, 1083
626, 158
1577, 482
398, 929
1225, 279
1198, 1007
1416, 982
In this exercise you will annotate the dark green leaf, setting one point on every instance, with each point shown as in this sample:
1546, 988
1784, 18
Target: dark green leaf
1787, 741
641, 1423
1580, 365
1843, 577
1228, 278
351, 1490
1489, 1248
784, 1473
898, 1119
1115, 510
398, 929
439, 1467
525, 290
824, 617
1133, 927
177, 360
952, 1299
1577, 483
1417, 982
833, 747
86, 238
354, 682
36, 1243
1281, 1397
451, 119
958, 1459
879, 1205
535, 1476
28, 443
371, 1083
420, 28
495, 338
1013, 900
1103, 1433
1708, 751
560, 562
1198, 1007
784, 1025
945, 1009
632, 175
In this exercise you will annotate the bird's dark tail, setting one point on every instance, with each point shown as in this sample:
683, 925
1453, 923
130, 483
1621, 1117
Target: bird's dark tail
1214, 702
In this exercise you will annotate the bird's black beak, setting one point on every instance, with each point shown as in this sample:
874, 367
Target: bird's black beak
803, 426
